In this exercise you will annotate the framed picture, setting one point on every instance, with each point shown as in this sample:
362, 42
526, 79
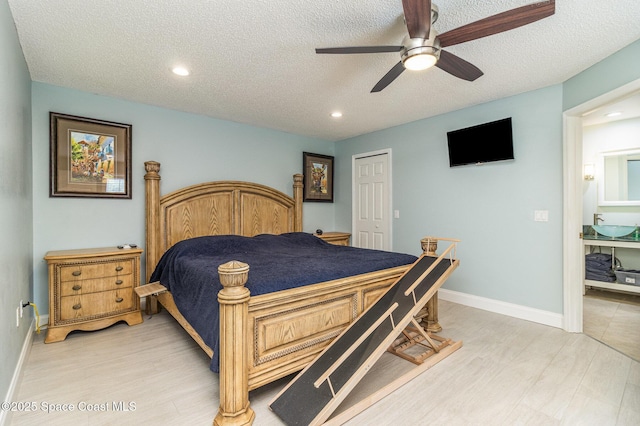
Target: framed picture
89, 157
318, 177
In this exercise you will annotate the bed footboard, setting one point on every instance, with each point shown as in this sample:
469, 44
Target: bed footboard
288, 330
266, 337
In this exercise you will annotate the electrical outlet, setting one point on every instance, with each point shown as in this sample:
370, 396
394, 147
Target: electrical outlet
17, 317
21, 308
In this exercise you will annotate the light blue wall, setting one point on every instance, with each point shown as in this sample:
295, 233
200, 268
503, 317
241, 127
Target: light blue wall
615, 71
15, 196
191, 149
504, 254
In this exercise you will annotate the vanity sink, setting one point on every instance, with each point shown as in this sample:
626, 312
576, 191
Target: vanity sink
613, 231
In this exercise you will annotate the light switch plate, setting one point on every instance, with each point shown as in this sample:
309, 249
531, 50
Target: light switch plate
541, 215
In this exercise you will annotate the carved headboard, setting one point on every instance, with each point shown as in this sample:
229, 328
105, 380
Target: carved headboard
215, 208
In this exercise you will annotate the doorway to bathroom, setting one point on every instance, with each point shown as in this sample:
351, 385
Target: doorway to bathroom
596, 312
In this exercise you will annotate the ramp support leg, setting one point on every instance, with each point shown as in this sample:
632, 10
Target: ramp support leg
234, 311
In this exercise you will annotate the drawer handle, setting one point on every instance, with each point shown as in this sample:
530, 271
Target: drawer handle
118, 282
76, 273
76, 287
119, 268
119, 299
76, 307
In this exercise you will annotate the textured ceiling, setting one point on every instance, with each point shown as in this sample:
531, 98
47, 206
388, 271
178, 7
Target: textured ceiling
254, 62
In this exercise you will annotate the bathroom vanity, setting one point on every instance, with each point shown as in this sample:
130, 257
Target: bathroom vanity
628, 242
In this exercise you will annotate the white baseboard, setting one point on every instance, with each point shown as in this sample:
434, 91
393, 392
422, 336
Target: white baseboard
510, 309
44, 321
13, 386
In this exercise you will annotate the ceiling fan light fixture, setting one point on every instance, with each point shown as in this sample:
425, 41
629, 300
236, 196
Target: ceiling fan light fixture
420, 61
420, 58
420, 54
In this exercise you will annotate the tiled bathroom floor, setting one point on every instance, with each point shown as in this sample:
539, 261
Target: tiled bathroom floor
614, 319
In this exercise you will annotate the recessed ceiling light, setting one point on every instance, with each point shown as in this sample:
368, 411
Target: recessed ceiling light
181, 71
613, 114
336, 114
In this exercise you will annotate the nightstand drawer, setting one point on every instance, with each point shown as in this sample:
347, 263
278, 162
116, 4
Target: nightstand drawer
96, 270
76, 288
94, 304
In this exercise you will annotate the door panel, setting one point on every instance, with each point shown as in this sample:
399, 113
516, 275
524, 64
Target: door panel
372, 206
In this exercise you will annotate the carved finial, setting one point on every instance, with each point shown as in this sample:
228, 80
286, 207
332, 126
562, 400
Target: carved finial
233, 273
429, 245
152, 168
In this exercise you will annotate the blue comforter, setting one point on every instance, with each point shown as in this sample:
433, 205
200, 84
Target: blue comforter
189, 270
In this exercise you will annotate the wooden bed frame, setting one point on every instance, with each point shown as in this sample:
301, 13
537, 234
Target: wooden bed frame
265, 337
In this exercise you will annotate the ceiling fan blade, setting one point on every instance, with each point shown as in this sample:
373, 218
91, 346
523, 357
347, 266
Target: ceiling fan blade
417, 14
360, 49
501, 22
388, 77
458, 67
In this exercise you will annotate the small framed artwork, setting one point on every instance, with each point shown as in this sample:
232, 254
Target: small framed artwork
318, 177
89, 158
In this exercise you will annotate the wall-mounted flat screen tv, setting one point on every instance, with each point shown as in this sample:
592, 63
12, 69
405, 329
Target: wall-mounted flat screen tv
481, 144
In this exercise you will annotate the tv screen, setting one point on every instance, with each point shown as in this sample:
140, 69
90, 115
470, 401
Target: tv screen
481, 144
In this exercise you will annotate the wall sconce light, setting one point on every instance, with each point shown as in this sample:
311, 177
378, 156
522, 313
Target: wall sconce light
589, 171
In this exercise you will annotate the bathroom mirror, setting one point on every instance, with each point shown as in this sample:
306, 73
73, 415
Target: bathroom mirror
619, 178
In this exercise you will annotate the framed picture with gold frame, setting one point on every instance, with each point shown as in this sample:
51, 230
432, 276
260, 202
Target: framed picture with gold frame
89, 157
318, 177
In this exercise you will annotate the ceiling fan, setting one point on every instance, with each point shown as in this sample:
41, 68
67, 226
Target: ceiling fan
422, 47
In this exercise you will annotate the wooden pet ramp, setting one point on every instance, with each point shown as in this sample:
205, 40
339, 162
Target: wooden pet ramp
318, 390
151, 289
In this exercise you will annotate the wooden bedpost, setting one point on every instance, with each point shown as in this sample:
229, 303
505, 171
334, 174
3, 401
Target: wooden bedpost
298, 198
234, 353
152, 197
152, 188
429, 247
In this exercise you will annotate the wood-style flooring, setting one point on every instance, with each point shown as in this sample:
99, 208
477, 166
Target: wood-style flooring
508, 372
614, 319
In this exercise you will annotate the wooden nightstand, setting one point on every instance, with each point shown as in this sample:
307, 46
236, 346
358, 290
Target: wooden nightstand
337, 238
90, 289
